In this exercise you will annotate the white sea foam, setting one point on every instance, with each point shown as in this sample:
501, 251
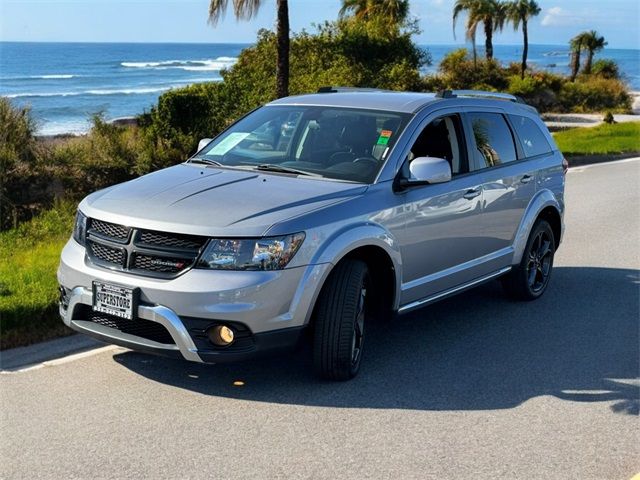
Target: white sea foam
103, 91
56, 76
42, 94
188, 65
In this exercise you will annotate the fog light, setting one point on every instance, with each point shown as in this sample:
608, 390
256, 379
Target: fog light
221, 335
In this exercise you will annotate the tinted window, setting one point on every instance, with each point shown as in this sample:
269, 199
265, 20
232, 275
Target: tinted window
533, 140
494, 141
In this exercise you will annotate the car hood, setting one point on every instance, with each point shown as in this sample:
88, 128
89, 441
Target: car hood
214, 202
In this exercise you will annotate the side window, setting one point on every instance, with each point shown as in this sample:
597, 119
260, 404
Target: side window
531, 137
494, 140
442, 139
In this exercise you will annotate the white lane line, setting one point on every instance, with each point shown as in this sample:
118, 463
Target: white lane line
62, 360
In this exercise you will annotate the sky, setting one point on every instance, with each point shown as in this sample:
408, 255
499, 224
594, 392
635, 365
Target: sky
186, 21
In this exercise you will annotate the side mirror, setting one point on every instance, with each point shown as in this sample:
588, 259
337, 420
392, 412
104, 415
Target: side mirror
203, 143
427, 170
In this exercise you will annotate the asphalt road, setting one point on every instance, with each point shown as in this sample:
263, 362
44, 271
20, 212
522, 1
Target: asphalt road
473, 387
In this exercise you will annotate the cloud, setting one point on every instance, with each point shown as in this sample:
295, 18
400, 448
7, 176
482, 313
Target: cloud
557, 17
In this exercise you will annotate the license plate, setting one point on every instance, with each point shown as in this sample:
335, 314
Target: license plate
114, 300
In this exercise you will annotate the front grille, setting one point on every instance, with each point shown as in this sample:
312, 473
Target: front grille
106, 254
159, 264
146, 252
139, 327
111, 230
170, 240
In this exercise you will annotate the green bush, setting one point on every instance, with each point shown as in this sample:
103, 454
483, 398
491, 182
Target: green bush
538, 89
606, 68
19, 153
594, 94
458, 71
183, 116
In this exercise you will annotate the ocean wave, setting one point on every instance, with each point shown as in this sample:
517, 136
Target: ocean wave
105, 91
41, 94
188, 65
54, 76
57, 76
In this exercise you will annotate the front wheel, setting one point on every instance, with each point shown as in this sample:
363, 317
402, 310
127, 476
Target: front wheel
339, 321
530, 278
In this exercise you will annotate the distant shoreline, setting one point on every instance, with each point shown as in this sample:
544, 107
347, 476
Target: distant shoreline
248, 44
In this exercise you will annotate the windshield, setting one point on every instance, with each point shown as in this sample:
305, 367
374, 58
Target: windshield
339, 143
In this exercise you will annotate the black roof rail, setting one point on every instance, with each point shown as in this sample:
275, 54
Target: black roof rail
349, 89
479, 94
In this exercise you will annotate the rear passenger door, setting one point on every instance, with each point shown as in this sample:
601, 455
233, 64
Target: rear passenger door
508, 178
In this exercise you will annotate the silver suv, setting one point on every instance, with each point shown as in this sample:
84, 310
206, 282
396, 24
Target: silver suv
317, 213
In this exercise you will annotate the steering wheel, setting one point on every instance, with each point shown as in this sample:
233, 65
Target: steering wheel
372, 161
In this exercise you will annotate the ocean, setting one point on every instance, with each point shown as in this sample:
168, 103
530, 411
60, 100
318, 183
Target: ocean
66, 83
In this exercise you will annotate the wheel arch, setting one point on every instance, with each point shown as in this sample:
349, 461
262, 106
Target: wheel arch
543, 205
372, 244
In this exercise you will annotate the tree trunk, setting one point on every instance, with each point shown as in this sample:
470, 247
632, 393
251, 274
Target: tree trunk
575, 63
282, 68
488, 31
525, 50
588, 62
475, 51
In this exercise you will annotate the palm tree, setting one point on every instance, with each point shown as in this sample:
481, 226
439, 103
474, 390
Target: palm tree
519, 12
576, 44
472, 22
490, 13
592, 43
247, 9
392, 12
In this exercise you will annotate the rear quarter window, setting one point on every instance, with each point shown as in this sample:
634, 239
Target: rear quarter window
493, 139
533, 140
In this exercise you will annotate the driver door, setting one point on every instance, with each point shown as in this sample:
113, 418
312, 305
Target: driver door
442, 238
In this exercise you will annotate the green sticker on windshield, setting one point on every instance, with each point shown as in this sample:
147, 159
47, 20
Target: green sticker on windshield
384, 137
383, 140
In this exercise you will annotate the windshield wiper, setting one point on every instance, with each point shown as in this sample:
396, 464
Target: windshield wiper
270, 167
205, 161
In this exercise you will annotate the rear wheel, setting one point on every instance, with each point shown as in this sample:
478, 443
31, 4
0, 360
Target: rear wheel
339, 321
529, 280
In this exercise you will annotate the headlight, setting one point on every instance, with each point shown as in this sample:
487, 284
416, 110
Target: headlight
250, 254
80, 228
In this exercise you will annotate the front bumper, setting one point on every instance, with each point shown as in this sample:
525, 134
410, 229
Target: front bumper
271, 308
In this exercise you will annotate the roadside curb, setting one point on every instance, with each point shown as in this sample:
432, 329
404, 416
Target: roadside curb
578, 160
21, 357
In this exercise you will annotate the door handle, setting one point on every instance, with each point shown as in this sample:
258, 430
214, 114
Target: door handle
526, 179
471, 194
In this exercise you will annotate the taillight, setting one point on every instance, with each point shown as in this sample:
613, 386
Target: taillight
565, 165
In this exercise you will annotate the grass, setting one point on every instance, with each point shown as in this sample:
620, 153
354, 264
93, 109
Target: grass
604, 139
28, 285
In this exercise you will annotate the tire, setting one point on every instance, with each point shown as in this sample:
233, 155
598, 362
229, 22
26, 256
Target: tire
529, 280
339, 322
